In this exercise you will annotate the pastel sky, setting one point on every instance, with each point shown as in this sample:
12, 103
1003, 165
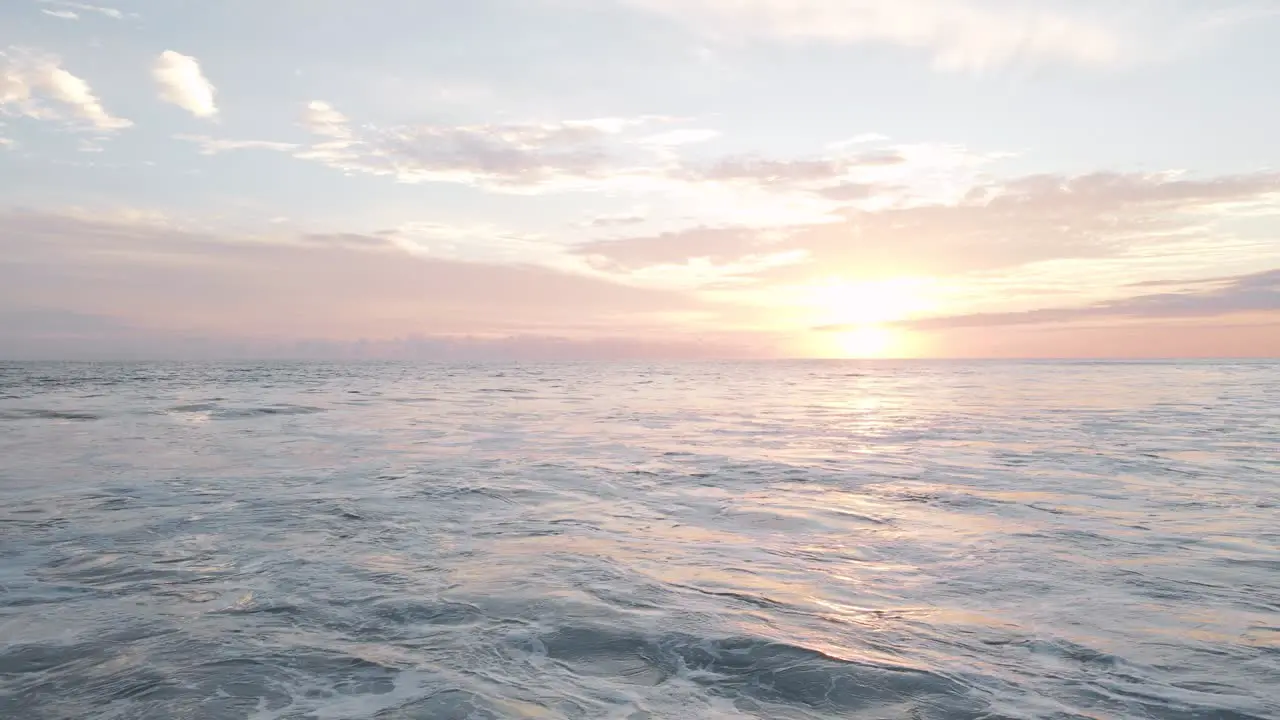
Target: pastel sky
639, 178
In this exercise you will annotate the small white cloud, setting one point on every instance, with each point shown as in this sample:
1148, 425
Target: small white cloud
64, 14
25, 78
183, 84
321, 119
75, 92
6, 143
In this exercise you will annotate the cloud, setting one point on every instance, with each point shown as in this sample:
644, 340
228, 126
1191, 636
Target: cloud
961, 35
1252, 293
518, 154
27, 78
507, 156
321, 119
794, 173
617, 154
63, 14
75, 92
995, 225
213, 146
604, 221
183, 84
70, 14
853, 174
718, 245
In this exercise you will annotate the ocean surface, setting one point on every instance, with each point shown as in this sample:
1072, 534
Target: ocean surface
639, 541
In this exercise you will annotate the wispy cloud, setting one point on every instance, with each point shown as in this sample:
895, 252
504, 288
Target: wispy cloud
83, 7
507, 156
27, 78
1253, 293
800, 173
61, 14
213, 146
606, 221
503, 157
997, 225
182, 83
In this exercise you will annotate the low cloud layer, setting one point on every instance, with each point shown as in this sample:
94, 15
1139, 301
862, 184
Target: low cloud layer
1246, 294
160, 280
44, 334
71, 10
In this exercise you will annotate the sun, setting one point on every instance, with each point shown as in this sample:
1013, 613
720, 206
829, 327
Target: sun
858, 318
866, 341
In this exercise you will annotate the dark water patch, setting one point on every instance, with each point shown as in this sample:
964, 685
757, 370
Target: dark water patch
419, 612
45, 414
263, 411
449, 704
109, 571
759, 601
860, 518
759, 670
470, 493
413, 400
194, 407
1074, 652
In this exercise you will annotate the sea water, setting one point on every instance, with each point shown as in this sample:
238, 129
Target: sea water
640, 541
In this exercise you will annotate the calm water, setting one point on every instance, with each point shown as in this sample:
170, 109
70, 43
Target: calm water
804, 540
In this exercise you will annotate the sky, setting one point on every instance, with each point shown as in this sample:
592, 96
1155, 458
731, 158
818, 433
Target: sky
639, 179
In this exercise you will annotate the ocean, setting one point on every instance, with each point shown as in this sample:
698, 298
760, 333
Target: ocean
640, 541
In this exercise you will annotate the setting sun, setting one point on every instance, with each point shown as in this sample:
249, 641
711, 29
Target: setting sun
867, 341
840, 302
856, 318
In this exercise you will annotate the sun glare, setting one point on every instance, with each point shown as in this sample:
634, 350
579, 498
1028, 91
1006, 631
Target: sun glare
859, 316
867, 341
868, 303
